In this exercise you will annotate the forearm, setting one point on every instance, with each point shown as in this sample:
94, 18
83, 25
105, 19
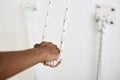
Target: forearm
14, 62
17, 61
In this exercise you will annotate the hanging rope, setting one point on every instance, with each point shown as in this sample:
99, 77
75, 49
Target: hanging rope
46, 20
102, 21
64, 28
53, 63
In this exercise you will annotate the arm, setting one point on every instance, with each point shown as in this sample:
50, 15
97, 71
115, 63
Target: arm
14, 62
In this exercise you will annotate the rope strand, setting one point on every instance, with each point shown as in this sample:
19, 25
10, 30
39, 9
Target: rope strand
64, 27
99, 68
102, 20
53, 63
46, 20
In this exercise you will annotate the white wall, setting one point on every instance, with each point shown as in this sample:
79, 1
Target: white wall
80, 49
13, 31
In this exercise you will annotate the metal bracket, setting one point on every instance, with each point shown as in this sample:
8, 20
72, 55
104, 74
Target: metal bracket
106, 11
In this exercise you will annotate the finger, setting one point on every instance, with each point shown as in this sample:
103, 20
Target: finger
41, 44
45, 43
58, 63
36, 45
49, 63
53, 64
46, 63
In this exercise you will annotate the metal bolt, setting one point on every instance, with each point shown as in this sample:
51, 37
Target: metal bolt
96, 20
34, 9
111, 22
97, 6
112, 9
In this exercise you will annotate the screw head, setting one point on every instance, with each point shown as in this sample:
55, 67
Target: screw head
97, 6
112, 9
111, 22
34, 9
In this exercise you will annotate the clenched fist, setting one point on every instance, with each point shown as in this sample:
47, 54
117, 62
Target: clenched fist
49, 51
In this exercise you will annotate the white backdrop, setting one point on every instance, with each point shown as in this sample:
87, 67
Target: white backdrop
20, 29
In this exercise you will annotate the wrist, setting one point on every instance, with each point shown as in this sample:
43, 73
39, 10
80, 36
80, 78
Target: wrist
39, 54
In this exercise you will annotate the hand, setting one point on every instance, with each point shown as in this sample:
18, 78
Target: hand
49, 50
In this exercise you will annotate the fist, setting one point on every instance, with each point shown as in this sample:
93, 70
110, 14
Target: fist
49, 51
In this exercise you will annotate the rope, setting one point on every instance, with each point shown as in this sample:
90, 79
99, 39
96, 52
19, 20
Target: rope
53, 63
46, 20
64, 28
102, 20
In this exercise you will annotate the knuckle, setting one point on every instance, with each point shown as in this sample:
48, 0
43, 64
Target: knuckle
49, 42
36, 45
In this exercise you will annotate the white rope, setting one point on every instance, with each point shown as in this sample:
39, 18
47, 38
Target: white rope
46, 20
102, 20
53, 63
64, 28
